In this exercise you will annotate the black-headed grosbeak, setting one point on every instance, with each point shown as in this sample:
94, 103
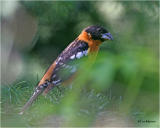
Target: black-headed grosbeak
88, 42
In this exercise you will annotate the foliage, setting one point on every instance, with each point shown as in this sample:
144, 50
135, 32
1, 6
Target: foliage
123, 82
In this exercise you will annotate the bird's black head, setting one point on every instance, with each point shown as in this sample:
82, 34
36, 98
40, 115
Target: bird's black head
98, 33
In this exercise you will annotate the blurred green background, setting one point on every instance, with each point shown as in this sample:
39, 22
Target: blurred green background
122, 87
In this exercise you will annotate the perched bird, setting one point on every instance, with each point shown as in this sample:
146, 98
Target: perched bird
85, 44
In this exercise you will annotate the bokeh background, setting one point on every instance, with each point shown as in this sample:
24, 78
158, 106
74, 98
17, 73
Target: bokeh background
120, 89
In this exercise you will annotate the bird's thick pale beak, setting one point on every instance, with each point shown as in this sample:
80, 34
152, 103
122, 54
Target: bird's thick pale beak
107, 36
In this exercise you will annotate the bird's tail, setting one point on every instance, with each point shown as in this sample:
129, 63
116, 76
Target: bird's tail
39, 89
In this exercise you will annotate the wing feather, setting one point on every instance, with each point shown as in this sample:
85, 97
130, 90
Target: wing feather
67, 62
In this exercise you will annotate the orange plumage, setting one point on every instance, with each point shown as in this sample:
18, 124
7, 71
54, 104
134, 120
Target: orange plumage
86, 44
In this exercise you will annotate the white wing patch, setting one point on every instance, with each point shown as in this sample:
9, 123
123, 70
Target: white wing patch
79, 55
54, 76
72, 57
56, 82
60, 58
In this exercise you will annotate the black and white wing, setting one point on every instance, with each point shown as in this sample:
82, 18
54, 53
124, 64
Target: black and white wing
67, 62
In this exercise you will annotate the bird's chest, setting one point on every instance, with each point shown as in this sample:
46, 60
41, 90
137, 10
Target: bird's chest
93, 46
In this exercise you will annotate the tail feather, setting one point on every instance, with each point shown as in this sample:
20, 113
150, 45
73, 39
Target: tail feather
36, 93
46, 86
